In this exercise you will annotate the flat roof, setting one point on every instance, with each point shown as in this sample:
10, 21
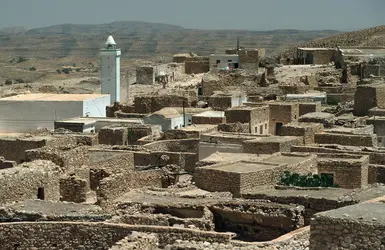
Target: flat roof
363, 212
272, 138
211, 114
244, 167
52, 97
314, 49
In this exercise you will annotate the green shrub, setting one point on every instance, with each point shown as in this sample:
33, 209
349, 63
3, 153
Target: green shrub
32, 69
309, 180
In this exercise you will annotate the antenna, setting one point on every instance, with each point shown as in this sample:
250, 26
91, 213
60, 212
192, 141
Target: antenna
110, 29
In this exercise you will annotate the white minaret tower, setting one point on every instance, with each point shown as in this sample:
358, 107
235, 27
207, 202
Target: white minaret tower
110, 70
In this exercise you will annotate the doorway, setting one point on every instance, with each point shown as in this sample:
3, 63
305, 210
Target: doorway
278, 127
40, 193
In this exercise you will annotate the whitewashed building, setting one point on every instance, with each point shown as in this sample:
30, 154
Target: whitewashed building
28, 112
110, 70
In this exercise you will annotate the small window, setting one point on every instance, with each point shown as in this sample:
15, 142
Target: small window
229, 60
218, 61
261, 129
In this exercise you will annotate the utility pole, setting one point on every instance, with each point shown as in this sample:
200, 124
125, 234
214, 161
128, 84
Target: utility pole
184, 114
237, 43
128, 88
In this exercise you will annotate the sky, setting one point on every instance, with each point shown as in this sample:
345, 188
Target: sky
344, 15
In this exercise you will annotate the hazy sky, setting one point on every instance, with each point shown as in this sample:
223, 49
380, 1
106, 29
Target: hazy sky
201, 14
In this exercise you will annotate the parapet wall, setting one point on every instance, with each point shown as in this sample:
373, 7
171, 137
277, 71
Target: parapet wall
71, 235
184, 145
346, 139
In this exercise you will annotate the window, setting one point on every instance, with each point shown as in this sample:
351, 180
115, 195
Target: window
278, 127
229, 60
261, 129
218, 61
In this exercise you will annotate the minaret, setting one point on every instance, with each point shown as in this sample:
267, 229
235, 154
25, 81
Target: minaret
110, 70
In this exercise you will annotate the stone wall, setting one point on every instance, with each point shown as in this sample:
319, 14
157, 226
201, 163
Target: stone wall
257, 221
347, 172
347, 229
24, 181
207, 120
305, 130
13, 148
150, 104
120, 163
139, 241
367, 97
312, 205
376, 174
145, 75
282, 113
73, 189
87, 235
184, 145
116, 185
270, 146
197, 65
219, 102
346, 139
68, 157
257, 117
375, 157
249, 59
309, 107
118, 107
234, 127
113, 135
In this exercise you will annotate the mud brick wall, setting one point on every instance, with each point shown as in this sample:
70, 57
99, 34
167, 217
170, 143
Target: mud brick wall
197, 65
376, 174
113, 135
73, 189
145, 75
310, 107
346, 139
68, 157
347, 173
14, 148
116, 185
305, 130
270, 147
22, 182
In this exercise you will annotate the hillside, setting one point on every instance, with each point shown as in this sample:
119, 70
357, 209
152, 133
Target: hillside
366, 37
143, 40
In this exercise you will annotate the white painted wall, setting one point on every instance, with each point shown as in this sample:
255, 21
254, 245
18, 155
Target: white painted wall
96, 107
238, 100
110, 73
27, 116
224, 60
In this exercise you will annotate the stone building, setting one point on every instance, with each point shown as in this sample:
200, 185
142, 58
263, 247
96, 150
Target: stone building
348, 171
303, 129
145, 75
271, 144
280, 114
256, 117
352, 227
316, 55
168, 118
197, 65
368, 97
30, 180
209, 117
